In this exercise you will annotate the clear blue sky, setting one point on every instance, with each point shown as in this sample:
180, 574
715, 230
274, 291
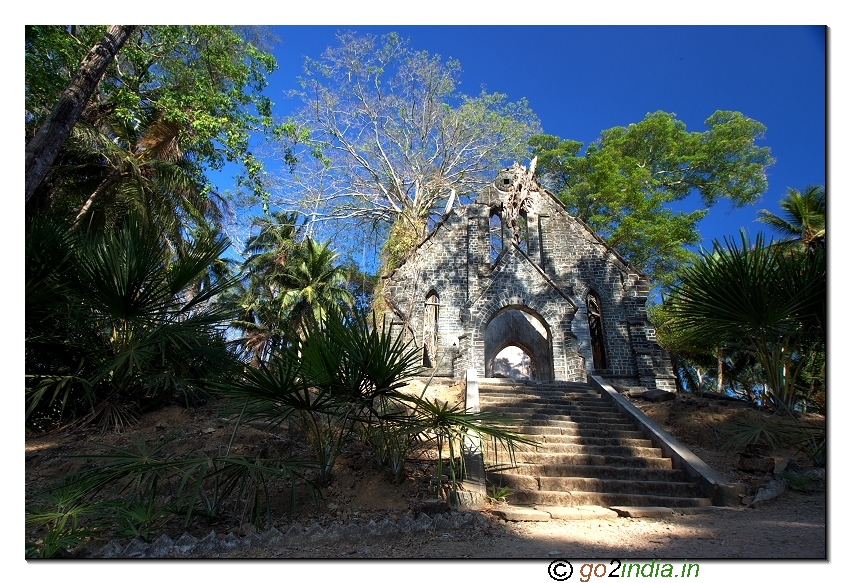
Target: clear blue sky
583, 79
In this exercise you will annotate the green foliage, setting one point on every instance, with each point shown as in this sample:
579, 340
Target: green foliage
805, 217
187, 93
286, 285
314, 286
768, 300
450, 426
499, 493
58, 513
344, 378
624, 183
402, 239
340, 374
111, 322
797, 482
794, 267
139, 517
780, 432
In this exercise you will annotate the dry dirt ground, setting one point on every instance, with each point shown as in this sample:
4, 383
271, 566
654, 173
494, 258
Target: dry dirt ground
790, 526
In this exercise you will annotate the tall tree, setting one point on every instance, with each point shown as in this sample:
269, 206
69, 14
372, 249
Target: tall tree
623, 184
42, 150
287, 285
262, 320
315, 285
396, 138
198, 86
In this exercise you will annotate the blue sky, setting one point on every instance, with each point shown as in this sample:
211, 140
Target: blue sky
583, 79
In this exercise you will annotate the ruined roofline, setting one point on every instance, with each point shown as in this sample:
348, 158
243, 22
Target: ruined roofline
596, 236
627, 266
413, 251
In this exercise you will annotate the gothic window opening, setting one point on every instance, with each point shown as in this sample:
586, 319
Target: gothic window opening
429, 330
522, 231
597, 338
496, 235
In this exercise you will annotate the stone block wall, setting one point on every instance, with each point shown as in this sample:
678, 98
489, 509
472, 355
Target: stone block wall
549, 277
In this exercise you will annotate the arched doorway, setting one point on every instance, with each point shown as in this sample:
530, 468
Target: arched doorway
519, 329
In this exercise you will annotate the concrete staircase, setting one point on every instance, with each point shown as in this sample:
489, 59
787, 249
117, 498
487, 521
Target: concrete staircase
588, 453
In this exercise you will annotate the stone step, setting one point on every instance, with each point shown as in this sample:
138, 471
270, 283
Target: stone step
562, 408
566, 427
545, 440
558, 397
607, 499
550, 415
514, 385
579, 431
552, 390
576, 459
588, 397
595, 471
604, 450
548, 408
586, 452
646, 488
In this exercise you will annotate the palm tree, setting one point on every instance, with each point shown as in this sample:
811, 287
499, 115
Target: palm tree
258, 295
269, 250
111, 319
805, 216
314, 285
111, 167
764, 299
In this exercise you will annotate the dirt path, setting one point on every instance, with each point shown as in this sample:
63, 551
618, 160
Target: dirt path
789, 528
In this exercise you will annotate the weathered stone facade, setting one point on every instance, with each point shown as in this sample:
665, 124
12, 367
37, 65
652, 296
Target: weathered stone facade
514, 268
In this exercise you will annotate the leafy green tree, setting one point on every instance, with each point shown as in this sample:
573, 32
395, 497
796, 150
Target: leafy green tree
397, 139
624, 183
41, 151
201, 84
804, 219
118, 168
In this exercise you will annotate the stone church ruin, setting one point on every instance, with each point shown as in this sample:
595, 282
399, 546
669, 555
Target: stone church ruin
513, 285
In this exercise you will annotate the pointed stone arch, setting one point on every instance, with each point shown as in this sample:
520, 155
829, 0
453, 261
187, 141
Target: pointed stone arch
540, 298
524, 328
430, 332
597, 334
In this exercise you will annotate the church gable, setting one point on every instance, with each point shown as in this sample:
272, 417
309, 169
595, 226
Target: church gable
515, 259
